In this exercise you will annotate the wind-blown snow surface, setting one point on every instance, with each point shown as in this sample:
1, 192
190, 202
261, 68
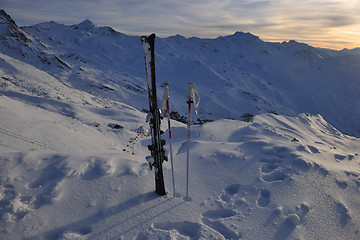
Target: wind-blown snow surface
73, 141
275, 178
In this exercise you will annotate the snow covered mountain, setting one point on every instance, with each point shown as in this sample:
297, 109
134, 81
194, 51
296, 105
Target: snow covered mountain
73, 137
234, 74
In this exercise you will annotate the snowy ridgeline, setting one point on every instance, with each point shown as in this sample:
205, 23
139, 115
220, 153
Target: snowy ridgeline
235, 74
73, 140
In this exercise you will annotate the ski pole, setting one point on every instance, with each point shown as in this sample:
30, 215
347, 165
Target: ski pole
191, 99
188, 149
166, 99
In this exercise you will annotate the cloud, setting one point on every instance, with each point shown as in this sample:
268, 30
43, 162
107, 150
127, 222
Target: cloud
281, 19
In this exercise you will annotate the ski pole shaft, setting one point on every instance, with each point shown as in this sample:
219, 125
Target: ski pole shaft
191, 100
171, 154
188, 149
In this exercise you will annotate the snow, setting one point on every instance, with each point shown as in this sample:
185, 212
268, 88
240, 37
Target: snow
72, 151
251, 180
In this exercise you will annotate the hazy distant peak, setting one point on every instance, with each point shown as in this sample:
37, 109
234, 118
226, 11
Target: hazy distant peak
177, 36
355, 51
242, 36
293, 43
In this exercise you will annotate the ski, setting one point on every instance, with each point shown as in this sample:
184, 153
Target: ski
157, 147
166, 109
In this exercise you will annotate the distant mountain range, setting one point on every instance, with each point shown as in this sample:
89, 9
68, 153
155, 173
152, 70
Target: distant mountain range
234, 74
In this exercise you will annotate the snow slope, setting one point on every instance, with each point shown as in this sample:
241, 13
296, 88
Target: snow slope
275, 178
72, 151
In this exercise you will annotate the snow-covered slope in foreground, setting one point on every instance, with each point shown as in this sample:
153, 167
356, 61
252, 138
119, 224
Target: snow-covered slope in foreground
274, 178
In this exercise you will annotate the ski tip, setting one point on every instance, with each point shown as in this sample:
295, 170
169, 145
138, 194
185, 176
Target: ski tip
148, 39
153, 35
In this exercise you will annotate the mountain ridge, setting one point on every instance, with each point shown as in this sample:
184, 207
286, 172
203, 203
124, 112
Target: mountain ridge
235, 74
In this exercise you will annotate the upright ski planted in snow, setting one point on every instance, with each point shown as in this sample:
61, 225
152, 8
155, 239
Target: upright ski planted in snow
166, 108
157, 146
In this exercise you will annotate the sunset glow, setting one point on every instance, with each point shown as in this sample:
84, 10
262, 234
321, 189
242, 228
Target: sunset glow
322, 23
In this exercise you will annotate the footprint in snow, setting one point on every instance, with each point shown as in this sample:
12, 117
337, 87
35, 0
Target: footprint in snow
313, 149
269, 167
276, 151
233, 205
274, 169
344, 212
221, 228
185, 228
235, 191
274, 176
291, 221
48, 176
264, 198
271, 170
219, 213
75, 232
232, 189
49, 182
339, 157
213, 220
341, 184
12, 206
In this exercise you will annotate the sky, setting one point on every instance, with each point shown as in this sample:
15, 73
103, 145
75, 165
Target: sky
331, 24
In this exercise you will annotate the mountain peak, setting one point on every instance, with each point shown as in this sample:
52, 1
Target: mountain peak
10, 29
295, 45
86, 24
354, 51
177, 36
243, 37
5, 18
246, 35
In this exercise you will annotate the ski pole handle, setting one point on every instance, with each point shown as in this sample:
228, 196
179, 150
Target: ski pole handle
191, 96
